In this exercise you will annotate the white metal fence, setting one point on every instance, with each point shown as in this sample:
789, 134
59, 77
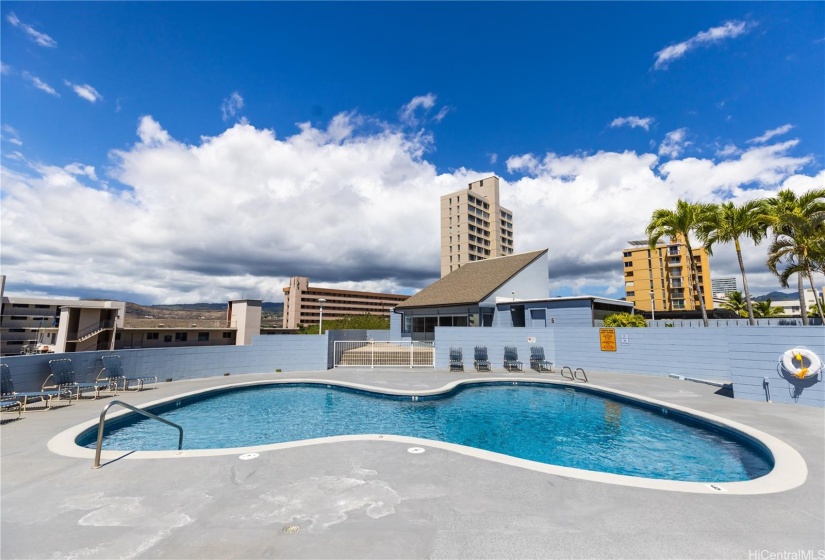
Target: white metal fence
369, 353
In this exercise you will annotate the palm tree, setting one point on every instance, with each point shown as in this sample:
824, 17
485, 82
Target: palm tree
736, 303
764, 309
729, 223
680, 224
786, 211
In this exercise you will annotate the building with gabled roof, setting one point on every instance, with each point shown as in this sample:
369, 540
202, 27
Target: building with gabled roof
506, 292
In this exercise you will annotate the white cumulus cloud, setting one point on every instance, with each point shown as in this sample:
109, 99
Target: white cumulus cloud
85, 91
729, 30
231, 105
770, 134
349, 206
412, 113
40, 84
632, 122
674, 143
40, 38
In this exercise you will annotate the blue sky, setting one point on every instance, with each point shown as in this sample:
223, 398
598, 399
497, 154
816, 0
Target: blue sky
164, 152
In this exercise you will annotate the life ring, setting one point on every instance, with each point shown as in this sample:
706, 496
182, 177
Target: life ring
801, 362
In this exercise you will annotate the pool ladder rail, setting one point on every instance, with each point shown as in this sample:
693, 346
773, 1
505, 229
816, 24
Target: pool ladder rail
574, 375
102, 423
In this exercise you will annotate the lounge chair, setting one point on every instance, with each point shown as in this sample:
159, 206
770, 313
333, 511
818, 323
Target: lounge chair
10, 406
511, 362
537, 360
113, 372
63, 379
23, 399
480, 360
456, 359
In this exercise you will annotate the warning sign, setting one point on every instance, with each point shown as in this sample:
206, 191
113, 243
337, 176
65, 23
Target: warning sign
607, 340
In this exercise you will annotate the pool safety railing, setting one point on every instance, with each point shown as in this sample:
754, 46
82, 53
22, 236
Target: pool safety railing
102, 422
574, 375
372, 354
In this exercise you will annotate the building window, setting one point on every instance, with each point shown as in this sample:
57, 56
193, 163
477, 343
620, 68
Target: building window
203, 337
152, 336
626, 254
180, 336
227, 334
628, 264
167, 338
631, 294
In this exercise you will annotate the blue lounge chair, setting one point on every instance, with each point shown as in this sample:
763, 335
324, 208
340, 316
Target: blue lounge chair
456, 358
63, 379
23, 399
537, 360
10, 406
480, 360
113, 373
511, 362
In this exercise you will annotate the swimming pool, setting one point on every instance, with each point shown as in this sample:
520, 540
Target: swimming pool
575, 428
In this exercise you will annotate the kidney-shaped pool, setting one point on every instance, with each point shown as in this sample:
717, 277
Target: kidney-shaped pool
577, 428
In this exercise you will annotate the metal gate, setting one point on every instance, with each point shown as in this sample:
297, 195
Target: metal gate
369, 353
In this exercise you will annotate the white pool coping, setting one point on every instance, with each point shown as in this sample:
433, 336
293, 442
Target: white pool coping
789, 471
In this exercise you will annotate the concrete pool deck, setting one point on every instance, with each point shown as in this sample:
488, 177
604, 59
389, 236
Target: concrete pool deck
374, 499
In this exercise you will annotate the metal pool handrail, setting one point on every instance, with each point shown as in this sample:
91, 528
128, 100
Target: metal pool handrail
134, 409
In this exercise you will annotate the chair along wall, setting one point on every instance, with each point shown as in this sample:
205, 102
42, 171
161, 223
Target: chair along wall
495, 339
266, 354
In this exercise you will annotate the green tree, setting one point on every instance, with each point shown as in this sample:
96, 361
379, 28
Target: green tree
624, 320
736, 303
801, 251
763, 309
688, 218
352, 322
795, 247
728, 224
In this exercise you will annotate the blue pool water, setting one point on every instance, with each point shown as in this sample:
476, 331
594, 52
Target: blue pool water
551, 425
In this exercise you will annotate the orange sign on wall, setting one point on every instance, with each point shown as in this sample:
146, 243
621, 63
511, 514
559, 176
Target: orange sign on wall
607, 340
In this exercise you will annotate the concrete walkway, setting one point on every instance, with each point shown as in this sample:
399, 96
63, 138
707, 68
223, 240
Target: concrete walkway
373, 499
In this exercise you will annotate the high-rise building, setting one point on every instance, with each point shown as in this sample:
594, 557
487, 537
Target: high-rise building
723, 285
303, 303
474, 226
662, 276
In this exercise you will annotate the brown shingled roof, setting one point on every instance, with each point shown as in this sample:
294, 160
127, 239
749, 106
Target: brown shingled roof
471, 283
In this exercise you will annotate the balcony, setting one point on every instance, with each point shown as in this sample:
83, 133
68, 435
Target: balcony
676, 283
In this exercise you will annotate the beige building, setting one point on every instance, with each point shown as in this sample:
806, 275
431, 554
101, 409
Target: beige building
663, 276
302, 305
474, 226
49, 325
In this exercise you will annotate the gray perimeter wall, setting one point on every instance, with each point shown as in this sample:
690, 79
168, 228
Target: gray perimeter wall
266, 354
745, 357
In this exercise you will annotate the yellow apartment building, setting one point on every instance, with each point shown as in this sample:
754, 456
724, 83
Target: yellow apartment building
660, 277
474, 226
302, 303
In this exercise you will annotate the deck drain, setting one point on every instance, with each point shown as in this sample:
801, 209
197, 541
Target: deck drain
248, 456
416, 450
291, 529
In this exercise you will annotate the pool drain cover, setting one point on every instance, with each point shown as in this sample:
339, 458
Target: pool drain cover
290, 529
248, 456
416, 450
